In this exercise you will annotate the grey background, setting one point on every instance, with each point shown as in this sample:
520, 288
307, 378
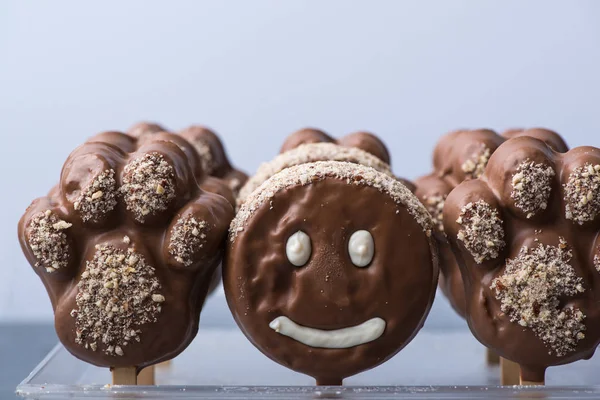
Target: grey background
257, 70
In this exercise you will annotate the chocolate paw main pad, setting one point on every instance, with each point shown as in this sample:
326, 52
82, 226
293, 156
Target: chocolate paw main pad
126, 246
330, 268
527, 235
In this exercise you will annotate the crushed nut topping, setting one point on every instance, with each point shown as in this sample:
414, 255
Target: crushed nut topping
145, 128
582, 194
234, 184
206, 156
475, 166
435, 206
532, 184
307, 153
530, 290
482, 233
48, 242
98, 198
148, 185
187, 238
117, 295
597, 261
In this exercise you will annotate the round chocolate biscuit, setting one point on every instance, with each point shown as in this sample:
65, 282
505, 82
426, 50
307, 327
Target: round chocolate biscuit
330, 268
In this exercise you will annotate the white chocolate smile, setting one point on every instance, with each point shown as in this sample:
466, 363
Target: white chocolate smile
330, 339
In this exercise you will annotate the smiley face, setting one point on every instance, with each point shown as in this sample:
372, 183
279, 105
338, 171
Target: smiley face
330, 268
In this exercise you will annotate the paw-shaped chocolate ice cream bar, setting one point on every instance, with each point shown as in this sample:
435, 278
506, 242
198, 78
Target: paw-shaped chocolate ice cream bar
312, 145
459, 156
209, 148
127, 245
331, 268
526, 238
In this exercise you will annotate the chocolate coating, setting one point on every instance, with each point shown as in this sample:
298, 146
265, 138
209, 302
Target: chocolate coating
311, 145
361, 140
531, 292
127, 245
212, 152
551, 138
144, 128
432, 192
329, 201
458, 156
209, 150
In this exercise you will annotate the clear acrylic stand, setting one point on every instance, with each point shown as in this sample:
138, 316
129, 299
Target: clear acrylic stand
443, 362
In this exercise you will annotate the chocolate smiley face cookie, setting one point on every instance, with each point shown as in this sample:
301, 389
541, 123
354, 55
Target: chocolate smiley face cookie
461, 156
526, 235
330, 268
127, 245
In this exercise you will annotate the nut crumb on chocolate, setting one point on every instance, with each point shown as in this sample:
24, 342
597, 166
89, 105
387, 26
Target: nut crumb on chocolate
530, 292
98, 198
148, 185
597, 261
435, 206
582, 194
474, 166
187, 238
145, 128
532, 184
352, 174
482, 233
312, 152
117, 295
48, 242
234, 184
207, 160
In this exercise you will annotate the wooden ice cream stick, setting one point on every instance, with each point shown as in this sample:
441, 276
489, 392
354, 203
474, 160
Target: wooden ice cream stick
525, 382
509, 372
165, 364
124, 376
532, 376
146, 376
492, 358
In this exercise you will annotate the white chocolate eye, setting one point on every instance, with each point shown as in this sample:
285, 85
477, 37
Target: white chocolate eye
361, 248
298, 248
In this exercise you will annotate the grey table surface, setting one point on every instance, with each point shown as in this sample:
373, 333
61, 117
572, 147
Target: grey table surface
22, 346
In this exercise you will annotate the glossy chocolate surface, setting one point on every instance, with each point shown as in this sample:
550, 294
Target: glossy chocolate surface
209, 148
563, 283
312, 145
459, 156
138, 206
329, 201
361, 140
